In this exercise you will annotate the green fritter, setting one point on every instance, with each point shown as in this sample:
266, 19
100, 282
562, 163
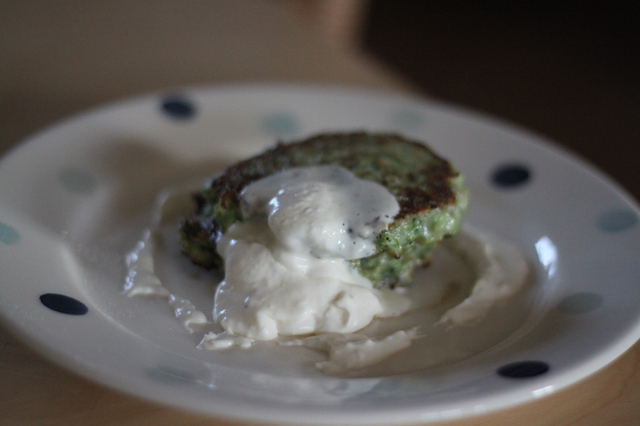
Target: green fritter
429, 190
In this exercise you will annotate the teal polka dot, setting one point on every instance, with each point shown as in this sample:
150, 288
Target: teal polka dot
580, 303
617, 220
170, 375
8, 235
78, 181
407, 118
280, 124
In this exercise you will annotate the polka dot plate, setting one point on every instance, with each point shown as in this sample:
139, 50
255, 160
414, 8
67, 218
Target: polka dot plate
76, 197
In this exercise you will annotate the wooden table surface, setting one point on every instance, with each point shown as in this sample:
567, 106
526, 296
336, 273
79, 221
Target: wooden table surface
58, 58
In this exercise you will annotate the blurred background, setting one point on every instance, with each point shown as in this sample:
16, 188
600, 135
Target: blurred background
569, 70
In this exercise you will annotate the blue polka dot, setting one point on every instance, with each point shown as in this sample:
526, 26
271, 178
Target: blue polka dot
511, 176
78, 181
63, 304
170, 375
280, 124
617, 220
8, 235
407, 118
523, 369
178, 107
580, 303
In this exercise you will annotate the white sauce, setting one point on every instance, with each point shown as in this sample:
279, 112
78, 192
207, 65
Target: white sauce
324, 211
500, 272
288, 277
287, 270
347, 352
142, 279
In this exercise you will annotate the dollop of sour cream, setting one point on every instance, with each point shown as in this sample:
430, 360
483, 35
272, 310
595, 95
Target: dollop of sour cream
287, 270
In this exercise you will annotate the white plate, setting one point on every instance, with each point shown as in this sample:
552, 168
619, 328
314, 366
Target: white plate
76, 197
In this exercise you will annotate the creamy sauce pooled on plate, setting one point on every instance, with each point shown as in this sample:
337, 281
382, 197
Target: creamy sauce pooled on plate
288, 277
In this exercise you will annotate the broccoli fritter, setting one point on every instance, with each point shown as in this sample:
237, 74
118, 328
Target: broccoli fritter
429, 191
